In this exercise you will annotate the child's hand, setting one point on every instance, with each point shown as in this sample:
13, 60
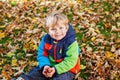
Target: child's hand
48, 71
45, 71
51, 72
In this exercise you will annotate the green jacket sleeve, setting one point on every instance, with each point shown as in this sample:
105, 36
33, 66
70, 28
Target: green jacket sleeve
70, 59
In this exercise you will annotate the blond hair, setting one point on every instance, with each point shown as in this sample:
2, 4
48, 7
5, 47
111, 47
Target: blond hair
56, 18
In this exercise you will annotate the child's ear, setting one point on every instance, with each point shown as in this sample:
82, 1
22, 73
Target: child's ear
67, 27
46, 29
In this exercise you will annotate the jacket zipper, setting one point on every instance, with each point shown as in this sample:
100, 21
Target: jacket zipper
55, 50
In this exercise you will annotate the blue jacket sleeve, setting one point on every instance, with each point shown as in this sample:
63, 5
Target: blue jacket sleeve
42, 60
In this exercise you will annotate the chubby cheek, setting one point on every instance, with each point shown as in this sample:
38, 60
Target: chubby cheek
51, 33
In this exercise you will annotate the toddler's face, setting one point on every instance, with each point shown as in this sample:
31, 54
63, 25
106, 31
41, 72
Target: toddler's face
58, 31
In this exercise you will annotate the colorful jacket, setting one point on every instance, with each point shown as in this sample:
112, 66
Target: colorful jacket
62, 54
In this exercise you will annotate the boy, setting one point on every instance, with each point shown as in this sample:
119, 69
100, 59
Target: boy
57, 52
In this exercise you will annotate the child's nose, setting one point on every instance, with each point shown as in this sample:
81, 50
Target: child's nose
57, 31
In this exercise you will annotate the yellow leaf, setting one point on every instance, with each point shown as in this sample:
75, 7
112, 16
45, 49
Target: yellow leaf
41, 7
93, 38
31, 27
117, 15
10, 15
33, 63
117, 79
109, 55
2, 27
10, 54
14, 62
82, 66
97, 31
2, 35
114, 74
83, 44
35, 47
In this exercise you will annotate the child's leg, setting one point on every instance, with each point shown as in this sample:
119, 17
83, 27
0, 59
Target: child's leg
34, 74
64, 76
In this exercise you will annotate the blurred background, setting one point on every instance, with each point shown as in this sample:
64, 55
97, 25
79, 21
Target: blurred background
97, 26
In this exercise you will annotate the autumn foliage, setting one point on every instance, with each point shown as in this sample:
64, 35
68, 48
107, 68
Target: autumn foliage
97, 26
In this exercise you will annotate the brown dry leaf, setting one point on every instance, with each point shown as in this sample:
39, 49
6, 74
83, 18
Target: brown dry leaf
1, 51
6, 75
108, 25
10, 27
113, 48
117, 41
88, 48
1, 61
101, 71
117, 52
22, 62
79, 78
114, 29
33, 63
118, 63
19, 72
29, 55
99, 63
7, 72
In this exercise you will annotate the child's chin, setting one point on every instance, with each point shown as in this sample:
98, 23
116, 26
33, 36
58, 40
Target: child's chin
58, 39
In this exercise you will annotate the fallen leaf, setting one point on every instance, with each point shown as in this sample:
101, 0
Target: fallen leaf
93, 38
14, 62
117, 41
1, 62
109, 55
117, 15
113, 49
6, 75
10, 54
108, 25
82, 66
19, 72
2, 35
29, 55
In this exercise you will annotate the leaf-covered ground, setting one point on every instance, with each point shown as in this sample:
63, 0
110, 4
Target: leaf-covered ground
97, 26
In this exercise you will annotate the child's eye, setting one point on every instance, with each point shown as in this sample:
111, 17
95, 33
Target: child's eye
61, 27
52, 29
